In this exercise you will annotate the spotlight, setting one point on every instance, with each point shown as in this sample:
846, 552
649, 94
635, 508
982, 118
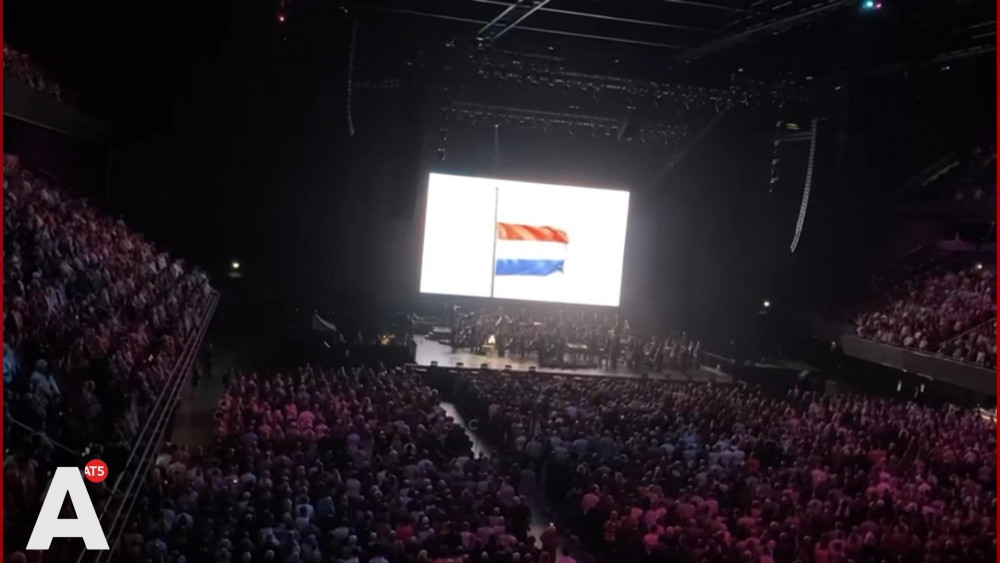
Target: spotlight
281, 18
235, 265
767, 304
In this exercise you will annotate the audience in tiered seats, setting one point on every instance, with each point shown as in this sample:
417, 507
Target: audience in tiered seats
94, 320
349, 466
647, 471
573, 341
978, 346
977, 177
968, 176
20, 66
928, 310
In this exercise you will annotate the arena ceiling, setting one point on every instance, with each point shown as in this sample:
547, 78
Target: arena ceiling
770, 36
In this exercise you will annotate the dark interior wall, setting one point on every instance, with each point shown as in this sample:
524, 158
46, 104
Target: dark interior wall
79, 165
909, 235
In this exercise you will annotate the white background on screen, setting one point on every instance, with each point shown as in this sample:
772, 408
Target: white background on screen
458, 239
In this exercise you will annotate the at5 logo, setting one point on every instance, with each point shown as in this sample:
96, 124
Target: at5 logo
86, 525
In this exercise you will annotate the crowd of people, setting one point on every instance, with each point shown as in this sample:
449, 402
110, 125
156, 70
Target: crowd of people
936, 311
977, 346
95, 318
647, 471
962, 176
22, 67
976, 177
570, 341
349, 465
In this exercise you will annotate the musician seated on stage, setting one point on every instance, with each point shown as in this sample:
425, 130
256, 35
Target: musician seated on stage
564, 341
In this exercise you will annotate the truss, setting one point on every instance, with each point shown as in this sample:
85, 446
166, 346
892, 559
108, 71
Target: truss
573, 124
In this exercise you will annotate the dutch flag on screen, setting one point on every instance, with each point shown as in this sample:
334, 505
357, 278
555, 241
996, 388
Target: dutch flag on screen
529, 250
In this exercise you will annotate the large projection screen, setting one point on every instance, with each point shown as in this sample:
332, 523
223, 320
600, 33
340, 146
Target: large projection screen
522, 240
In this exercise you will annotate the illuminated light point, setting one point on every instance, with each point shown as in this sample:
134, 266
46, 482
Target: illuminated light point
281, 18
878, 6
767, 304
869, 4
235, 265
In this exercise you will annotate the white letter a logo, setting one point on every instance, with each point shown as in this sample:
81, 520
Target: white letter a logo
67, 480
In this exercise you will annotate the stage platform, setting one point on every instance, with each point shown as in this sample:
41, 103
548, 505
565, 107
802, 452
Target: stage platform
430, 352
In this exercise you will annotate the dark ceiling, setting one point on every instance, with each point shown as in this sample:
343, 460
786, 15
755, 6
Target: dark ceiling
768, 36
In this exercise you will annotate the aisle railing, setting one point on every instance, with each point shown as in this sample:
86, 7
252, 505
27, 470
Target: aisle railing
965, 333
115, 513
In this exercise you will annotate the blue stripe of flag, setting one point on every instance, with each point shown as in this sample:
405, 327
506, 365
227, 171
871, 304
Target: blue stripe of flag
516, 267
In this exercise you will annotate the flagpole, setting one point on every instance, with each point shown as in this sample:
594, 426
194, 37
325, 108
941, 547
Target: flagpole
496, 225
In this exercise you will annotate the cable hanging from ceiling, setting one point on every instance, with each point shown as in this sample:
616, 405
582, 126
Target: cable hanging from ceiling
804, 206
350, 80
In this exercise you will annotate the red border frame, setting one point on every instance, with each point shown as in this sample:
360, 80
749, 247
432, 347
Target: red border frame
997, 116
1, 270
1, 267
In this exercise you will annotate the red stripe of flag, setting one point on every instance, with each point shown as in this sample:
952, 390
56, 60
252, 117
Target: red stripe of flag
513, 231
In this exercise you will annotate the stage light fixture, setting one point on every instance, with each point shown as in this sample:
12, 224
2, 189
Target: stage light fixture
767, 304
235, 265
281, 18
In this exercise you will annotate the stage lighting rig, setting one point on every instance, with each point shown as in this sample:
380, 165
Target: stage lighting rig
384, 84
508, 19
509, 70
760, 24
573, 124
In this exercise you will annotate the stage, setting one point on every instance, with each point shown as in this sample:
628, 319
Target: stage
430, 352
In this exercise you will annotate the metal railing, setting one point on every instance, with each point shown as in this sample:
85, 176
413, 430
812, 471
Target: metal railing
41, 433
934, 366
963, 334
115, 513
